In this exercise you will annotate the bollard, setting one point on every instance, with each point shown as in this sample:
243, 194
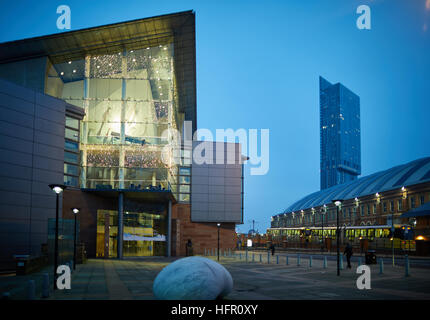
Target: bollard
253, 257
381, 266
268, 257
277, 259
359, 261
45, 286
240, 256
246, 256
205, 252
310, 261
298, 259
286, 260
407, 274
261, 257
341, 262
325, 262
31, 290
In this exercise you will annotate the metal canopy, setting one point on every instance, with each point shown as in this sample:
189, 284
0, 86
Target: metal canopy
412, 173
139, 195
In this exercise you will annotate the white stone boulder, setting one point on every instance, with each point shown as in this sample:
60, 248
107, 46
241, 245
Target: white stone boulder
192, 278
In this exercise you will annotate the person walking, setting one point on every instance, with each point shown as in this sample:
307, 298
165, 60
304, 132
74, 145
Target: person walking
189, 248
348, 253
272, 248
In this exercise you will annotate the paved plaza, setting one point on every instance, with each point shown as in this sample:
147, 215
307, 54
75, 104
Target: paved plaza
133, 278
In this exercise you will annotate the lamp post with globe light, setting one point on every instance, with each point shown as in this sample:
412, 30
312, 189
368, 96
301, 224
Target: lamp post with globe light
57, 188
338, 204
218, 226
75, 212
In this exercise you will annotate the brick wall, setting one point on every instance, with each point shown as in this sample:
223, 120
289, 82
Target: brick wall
202, 235
87, 216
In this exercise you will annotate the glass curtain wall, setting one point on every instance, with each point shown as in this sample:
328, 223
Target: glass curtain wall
130, 101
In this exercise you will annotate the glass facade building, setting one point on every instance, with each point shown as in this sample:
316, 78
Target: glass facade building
130, 110
340, 160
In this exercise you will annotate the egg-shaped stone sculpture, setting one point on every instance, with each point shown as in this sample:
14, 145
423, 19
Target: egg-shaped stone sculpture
192, 278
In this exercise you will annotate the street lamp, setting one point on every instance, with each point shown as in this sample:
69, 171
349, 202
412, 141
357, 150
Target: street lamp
75, 211
218, 225
57, 188
323, 212
338, 204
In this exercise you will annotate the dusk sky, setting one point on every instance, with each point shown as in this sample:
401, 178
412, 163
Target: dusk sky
258, 64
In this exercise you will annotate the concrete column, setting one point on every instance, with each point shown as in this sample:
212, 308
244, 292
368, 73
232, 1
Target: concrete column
121, 184
169, 228
120, 236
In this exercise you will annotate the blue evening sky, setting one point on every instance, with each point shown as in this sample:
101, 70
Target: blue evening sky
258, 64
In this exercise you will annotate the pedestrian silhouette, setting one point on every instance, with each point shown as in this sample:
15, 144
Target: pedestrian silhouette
272, 248
348, 253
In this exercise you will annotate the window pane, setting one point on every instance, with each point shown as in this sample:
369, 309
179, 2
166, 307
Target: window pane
184, 188
72, 123
72, 146
184, 197
184, 171
71, 157
71, 181
184, 180
71, 169
72, 134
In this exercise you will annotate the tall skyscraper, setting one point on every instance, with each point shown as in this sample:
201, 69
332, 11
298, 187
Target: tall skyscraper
339, 134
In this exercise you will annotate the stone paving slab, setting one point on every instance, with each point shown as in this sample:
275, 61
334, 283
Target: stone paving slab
132, 279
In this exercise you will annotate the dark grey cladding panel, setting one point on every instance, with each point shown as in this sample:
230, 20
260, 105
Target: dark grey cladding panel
216, 189
16, 117
14, 226
17, 238
16, 144
15, 158
15, 185
13, 198
15, 171
48, 164
17, 91
42, 201
49, 127
47, 176
49, 152
50, 114
49, 139
11, 129
16, 103
13, 211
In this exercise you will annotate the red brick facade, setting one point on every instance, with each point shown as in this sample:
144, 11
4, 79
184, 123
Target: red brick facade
202, 235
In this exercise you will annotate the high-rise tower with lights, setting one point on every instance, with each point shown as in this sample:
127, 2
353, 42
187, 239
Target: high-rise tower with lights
340, 160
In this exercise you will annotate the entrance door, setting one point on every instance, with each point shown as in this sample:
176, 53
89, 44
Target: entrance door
107, 231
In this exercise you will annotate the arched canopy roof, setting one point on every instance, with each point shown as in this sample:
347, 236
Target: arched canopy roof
408, 174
